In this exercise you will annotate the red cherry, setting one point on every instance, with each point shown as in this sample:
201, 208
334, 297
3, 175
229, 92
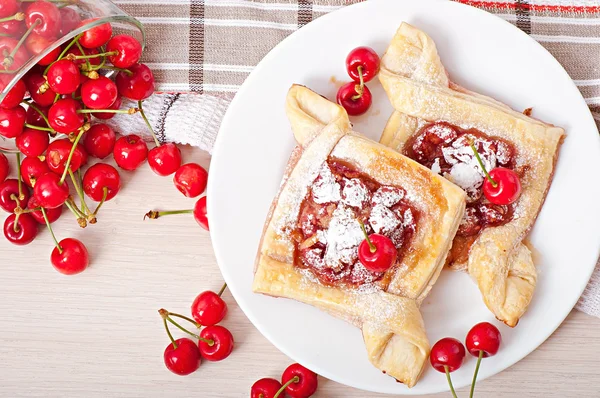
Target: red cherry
37, 44
222, 343
130, 152
48, 191
107, 115
99, 93
209, 308
304, 386
483, 337
34, 81
52, 214
32, 168
63, 116
447, 352
50, 57
139, 85
70, 20
4, 167
347, 97
72, 258
12, 121
184, 359
96, 36
99, 141
366, 58
58, 153
8, 8
380, 255
190, 179
14, 97
32, 142
97, 178
200, 213
129, 51
507, 189
34, 118
265, 388
63, 77
21, 56
9, 190
13, 28
48, 16
164, 160
25, 231
86, 51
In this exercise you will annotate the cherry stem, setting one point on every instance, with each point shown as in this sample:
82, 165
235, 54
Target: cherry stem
153, 214
31, 126
20, 16
21, 196
105, 194
487, 175
56, 98
475, 374
16, 222
222, 289
60, 250
294, 379
8, 61
169, 333
359, 87
129, 111
165, 314
81, 219
38, 110
141, 108
186, 318
372, 247
84, 207
72, 57
87, 61
450, 381
68, 164
62, 54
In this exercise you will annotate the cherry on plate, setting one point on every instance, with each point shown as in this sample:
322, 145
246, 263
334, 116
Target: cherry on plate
130, 152
70, 257
447, 355
377, 252
182, 359
190, 179
352, 101
505, 188
483, 337
24, 232
216, 343
364, 58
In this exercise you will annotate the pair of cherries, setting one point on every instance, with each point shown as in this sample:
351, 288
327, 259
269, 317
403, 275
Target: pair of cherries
296, 380
215, 343
362, 65
448, 354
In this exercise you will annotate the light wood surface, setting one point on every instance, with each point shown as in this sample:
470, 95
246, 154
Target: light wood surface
98, 334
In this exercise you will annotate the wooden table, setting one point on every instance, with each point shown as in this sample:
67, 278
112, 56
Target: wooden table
98, 334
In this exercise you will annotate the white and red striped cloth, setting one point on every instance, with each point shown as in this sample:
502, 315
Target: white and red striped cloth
191, 44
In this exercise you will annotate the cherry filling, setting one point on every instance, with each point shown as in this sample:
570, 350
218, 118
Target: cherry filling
328, 231
445, 149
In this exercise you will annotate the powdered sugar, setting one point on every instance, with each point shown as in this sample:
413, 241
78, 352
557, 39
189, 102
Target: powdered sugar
343, 237
325, 188
355, 193
388, 196
383, 220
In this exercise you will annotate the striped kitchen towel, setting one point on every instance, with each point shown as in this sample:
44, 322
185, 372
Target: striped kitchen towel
203, 50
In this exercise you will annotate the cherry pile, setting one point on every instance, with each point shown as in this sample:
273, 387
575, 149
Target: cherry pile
448, 354
362, 65
214, 342
296, 381
55, 114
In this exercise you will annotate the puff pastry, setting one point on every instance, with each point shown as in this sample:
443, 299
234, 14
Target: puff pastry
430, 109
309, 244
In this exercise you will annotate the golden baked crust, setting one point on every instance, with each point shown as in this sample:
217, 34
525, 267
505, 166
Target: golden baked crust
420, 91
388, 314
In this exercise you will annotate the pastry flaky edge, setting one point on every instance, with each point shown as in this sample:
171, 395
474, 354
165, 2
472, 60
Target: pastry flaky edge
391, 323
420, 91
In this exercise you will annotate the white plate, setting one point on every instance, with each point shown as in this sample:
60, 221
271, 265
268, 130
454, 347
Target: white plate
481, 52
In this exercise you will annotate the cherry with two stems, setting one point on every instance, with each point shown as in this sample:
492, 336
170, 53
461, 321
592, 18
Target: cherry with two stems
199, 212
501, 186
298, 382
377, 252
447, 355
32, 168
130, 152
191, 179
482, 341
208, 307
32, 142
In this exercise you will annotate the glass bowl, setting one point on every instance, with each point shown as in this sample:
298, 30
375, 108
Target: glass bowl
14, 65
